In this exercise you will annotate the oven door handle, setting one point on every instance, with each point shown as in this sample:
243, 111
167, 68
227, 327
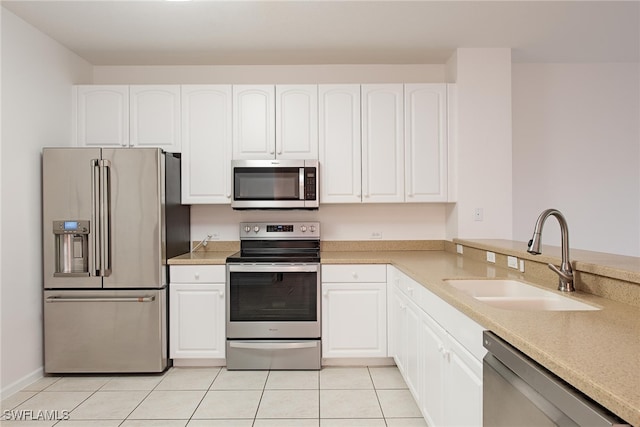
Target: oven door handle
273, 268
273, 345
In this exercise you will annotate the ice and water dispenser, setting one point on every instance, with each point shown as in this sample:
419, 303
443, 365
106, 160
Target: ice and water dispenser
72, 248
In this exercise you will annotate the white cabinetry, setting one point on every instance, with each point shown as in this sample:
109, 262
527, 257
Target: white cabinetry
275, 122
128, 116
340, 149
102, 115
425, 130
438, 351
206, 144
354, 311
197, 312
382, 143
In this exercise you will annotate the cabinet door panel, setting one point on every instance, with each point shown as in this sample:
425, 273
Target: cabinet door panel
197, 327
340, 144
433, 370
425, 143
102, 116
297, 121
463, 388
206, 144
155, 116
253, 122
354, 320
382, 143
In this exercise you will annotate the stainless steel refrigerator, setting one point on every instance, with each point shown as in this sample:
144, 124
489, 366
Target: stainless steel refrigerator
111, 219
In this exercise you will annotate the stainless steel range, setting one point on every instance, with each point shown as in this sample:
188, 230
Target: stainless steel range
273, 297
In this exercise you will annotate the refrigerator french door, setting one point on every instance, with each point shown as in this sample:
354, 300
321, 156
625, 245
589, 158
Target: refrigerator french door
111, 218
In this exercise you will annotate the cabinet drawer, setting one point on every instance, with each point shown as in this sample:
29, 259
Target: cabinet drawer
354, 273
197, 273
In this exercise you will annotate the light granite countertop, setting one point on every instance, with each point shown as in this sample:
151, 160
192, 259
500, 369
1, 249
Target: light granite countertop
597, 352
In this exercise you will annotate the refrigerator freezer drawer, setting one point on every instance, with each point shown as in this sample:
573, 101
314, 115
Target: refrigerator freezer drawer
105, 331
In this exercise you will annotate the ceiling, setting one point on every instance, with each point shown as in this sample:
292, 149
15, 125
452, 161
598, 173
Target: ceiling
238, 32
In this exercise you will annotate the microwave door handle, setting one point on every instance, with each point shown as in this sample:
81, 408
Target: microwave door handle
94, 226
301, 184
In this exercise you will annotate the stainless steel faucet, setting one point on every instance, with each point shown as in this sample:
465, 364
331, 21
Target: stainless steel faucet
565, 272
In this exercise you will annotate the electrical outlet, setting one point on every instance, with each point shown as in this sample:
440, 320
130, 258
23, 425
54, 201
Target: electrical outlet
459, 249
376, 235
491, 257
512, 262
478, 214
521, 266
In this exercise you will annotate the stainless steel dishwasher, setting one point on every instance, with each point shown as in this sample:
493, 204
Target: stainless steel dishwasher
519, 392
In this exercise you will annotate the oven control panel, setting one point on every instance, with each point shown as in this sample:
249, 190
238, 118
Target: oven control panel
280, 230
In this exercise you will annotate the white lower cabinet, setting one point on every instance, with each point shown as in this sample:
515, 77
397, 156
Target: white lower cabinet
425, 335
354, 311
197, 312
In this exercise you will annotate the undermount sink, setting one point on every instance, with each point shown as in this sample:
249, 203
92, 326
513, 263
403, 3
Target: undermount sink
511, 294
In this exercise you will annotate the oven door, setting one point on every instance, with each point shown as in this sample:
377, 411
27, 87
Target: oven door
273, 301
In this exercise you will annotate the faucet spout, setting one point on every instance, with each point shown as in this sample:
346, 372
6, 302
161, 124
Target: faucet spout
565, 272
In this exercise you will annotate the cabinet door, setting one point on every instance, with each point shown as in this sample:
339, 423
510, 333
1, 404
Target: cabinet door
197, 321
354, 320
433, 368
463, 388
155, 116
254, 122
382, 143
425, 128
397, 332
102, 116
340, 144
206, 144
297, 121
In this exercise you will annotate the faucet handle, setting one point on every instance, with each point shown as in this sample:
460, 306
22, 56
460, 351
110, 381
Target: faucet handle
567, 275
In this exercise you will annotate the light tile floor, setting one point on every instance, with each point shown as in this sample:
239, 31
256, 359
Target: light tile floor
199, 397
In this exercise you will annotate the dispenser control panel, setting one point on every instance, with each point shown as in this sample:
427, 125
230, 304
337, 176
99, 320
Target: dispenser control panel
71, 227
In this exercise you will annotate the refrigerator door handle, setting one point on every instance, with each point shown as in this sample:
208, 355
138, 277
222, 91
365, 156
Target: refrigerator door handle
94, 260
105, 218
101, 299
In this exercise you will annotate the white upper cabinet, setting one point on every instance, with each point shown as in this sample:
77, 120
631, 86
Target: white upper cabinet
206, 144
275, 122
128, 116
297, 121
425, 130
382, 143
254, 122
102, 115
340, 149
155, 116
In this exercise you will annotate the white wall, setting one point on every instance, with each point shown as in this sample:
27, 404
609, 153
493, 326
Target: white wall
37, 75
576, 147
483, 143
269, 74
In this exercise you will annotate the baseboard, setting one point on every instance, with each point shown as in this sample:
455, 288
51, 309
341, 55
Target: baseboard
358, 361
199, 363
20, 384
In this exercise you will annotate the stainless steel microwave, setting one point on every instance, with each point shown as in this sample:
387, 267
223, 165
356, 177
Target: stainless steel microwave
275, 184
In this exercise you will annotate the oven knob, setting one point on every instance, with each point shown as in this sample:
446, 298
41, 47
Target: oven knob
313, 228
303, 228
247, 229
256, 228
